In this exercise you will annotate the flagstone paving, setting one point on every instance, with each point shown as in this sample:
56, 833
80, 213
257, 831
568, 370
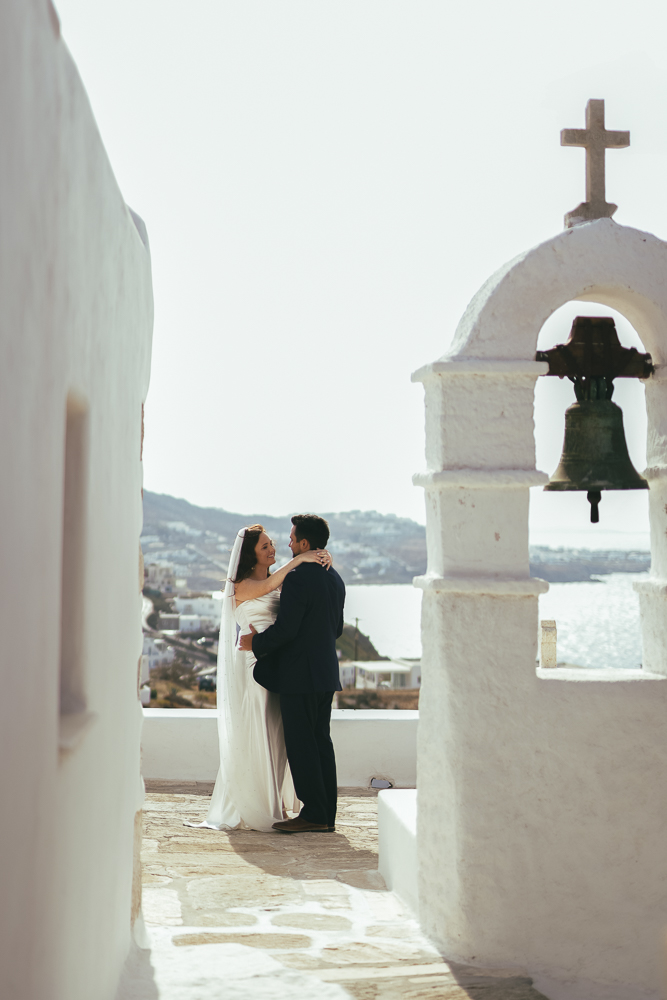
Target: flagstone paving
244, 914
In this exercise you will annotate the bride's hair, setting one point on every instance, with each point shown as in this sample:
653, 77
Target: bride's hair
247, 558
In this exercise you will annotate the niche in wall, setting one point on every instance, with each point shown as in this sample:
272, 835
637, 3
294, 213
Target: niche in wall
74, 716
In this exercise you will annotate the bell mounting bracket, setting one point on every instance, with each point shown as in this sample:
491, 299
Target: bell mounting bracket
593, 351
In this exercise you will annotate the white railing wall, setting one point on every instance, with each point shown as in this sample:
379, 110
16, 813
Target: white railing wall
181, 744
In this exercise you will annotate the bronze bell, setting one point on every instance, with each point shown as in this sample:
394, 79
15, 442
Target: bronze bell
595, 454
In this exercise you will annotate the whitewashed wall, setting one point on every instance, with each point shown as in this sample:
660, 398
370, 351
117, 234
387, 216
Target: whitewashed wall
181, 744
75, 317
541, 825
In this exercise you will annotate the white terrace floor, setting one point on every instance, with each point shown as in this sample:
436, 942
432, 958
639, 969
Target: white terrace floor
256, 915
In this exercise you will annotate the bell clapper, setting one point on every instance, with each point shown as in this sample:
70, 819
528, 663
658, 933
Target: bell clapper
594, 497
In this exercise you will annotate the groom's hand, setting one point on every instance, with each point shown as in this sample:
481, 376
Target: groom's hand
245, 641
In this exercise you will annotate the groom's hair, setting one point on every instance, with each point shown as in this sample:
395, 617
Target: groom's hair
313, 528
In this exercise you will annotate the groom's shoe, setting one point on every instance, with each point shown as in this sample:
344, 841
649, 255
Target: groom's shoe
298, 825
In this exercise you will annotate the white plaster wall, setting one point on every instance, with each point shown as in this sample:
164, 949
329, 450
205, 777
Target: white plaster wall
76, 309
541, 827
375, 744
397, 843
543, 847
182, 745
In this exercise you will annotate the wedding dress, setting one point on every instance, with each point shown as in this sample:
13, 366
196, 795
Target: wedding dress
254, 783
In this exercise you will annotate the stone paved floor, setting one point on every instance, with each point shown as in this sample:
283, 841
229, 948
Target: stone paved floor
247, 914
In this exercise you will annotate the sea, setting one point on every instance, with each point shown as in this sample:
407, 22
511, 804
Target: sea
597, 623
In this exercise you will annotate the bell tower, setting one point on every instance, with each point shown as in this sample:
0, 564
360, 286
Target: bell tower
540, 835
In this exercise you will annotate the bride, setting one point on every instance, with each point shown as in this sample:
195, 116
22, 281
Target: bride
253, 789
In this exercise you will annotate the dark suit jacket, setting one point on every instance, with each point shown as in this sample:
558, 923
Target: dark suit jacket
297, 654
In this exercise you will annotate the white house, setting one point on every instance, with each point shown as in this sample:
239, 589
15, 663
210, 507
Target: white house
189, 623
406, 673
372, 674
209, 609
161, 576
169, 622
182, 528
156, 652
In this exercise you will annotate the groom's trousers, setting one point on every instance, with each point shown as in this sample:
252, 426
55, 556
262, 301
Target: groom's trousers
310, 752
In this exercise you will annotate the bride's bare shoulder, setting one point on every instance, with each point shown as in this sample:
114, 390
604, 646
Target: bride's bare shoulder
244, 591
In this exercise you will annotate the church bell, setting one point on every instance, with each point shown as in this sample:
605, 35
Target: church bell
595, 454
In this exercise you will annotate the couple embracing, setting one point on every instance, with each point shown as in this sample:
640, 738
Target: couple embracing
277, 673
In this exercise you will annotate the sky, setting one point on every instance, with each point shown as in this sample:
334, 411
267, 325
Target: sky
326, 185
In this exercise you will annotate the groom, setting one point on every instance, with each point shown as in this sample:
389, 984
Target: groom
296, 657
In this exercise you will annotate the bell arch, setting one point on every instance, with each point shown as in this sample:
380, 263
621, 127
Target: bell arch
521, 772
599, 261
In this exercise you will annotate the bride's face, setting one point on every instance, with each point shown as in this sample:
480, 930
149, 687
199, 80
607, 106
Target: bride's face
265, 551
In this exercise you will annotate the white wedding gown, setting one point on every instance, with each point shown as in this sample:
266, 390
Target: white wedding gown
254, 781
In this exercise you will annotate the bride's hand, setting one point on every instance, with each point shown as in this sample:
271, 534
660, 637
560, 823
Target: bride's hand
321, 556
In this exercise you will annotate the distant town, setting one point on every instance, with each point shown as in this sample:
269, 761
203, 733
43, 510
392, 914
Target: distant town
186, 552
196, 541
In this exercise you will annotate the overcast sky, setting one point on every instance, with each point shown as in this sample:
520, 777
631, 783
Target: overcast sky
325, 186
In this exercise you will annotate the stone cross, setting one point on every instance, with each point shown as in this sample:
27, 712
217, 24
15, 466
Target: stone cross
595, 139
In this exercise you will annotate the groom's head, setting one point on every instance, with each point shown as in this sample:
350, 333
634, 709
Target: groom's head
308, 532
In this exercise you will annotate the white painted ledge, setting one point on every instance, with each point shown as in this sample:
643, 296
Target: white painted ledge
181, 744
582, 675
397, 836
519, 368
527, 587
480, 479
655, 585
